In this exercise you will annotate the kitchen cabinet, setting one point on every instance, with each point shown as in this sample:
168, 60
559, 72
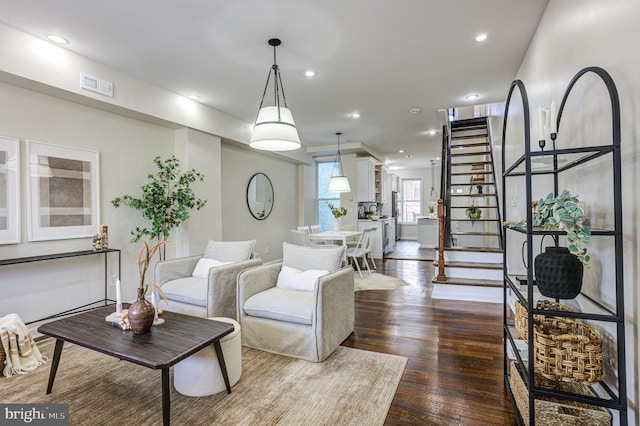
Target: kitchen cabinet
381, 184
366, 179
381, 236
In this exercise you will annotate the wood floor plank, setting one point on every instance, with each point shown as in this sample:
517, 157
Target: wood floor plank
455, 373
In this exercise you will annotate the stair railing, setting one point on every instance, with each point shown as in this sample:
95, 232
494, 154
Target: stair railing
495, 182
445, 184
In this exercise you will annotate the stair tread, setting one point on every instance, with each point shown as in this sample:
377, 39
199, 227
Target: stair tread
469, 122
471, 265
484, 194
480, 207
471, 163
474, 220
463, 281
470, 154
473, 184
485, 234
475, 249
470, 145
471, 173
471, 136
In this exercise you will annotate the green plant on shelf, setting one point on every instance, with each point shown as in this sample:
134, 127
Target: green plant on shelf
561, 213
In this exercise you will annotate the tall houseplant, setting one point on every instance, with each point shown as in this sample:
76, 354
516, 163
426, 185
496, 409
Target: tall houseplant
166, 200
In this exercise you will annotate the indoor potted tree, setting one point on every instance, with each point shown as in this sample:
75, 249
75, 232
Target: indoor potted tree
166, 200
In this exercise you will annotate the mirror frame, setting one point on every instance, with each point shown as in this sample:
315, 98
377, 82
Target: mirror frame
268, 211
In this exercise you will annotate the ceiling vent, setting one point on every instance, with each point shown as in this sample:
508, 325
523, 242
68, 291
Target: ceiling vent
95, 84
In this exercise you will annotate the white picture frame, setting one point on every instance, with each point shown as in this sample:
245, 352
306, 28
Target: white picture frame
63, 192
9, 190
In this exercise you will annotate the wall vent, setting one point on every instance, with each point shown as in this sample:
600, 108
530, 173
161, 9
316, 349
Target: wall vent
96, 84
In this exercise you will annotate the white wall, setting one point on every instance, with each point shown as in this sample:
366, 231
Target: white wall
126, 149
238, 165
574, 34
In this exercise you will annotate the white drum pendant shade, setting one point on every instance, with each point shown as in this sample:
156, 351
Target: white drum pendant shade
272, 134
339, 184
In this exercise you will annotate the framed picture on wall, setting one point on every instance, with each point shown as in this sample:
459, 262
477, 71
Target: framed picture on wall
9, 190
63, 197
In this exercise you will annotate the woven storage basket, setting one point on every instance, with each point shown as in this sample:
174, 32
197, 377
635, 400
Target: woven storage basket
556, 412
522, 320
568, 350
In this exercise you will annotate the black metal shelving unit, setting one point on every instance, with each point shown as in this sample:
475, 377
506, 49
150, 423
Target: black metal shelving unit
557, 161
102, 302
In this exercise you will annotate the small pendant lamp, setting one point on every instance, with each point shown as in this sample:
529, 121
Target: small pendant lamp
339, 183
274, 129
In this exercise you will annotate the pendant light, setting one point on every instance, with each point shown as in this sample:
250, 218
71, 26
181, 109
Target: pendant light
274, 129
339, 183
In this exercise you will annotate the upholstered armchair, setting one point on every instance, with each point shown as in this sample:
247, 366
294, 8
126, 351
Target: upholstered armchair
205, 285
301, 307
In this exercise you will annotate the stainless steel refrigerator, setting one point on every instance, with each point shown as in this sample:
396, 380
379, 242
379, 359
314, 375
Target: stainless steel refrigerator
394, 213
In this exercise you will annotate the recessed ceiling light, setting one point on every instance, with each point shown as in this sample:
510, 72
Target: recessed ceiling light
310, 73
355, 115
481, 37
401, 151
408, 156
57, 39
471, 97
193, 97
414, 111
431, 132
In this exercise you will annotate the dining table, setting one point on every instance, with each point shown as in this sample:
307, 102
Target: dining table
332, 236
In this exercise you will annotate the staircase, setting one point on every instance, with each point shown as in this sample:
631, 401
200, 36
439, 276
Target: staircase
473, 244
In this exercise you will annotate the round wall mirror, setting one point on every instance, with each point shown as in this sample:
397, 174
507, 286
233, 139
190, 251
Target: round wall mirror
260, 196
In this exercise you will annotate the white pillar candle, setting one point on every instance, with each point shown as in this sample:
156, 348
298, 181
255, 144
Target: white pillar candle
118, 297
153, 298
553, 118
540, 124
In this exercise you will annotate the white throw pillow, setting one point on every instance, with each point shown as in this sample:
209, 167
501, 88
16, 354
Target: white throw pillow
202, 268
295, 279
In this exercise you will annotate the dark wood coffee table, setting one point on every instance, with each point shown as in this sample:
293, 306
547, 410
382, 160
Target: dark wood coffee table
165, 345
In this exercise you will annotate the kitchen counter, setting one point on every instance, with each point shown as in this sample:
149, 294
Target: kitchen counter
428, 231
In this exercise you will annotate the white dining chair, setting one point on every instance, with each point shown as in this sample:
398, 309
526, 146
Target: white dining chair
361, 250
305, 229
315, 229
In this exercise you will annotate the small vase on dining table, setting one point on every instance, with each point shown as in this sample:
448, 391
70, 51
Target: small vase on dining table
336, 225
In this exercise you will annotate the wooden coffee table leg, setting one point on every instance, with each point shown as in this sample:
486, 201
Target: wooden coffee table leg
54, 364
166, 397
223, 366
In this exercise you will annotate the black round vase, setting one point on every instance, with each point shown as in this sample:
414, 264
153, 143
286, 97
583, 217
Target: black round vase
558, 273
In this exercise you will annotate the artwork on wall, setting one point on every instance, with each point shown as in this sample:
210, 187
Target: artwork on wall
63, 198
9, 190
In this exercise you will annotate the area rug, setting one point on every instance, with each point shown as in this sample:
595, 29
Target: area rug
351, 387
376, 281
467, 293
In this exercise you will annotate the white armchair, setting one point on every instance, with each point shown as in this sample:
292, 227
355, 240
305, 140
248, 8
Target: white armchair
205, 286
301, 307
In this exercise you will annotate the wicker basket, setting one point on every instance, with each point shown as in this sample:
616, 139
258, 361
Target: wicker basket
568, 350
552, 411
522, 320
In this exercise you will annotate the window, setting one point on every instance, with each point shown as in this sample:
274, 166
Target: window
325, 217
411, 200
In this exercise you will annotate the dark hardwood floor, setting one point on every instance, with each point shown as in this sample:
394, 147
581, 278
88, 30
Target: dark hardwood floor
454, 375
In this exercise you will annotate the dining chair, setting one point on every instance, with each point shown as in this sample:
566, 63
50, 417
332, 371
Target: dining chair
361, 250
315, 229
301, 238
305, 228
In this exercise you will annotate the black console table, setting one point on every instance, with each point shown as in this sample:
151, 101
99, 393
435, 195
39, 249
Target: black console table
105, 253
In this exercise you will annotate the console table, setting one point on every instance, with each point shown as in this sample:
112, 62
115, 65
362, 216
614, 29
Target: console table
105, 253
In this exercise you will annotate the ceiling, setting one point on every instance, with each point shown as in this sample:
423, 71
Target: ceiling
380, 58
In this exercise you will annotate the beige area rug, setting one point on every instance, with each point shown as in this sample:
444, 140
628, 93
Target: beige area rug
352, 387
376, 281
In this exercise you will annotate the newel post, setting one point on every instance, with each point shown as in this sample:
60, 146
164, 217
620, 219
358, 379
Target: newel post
441, 274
